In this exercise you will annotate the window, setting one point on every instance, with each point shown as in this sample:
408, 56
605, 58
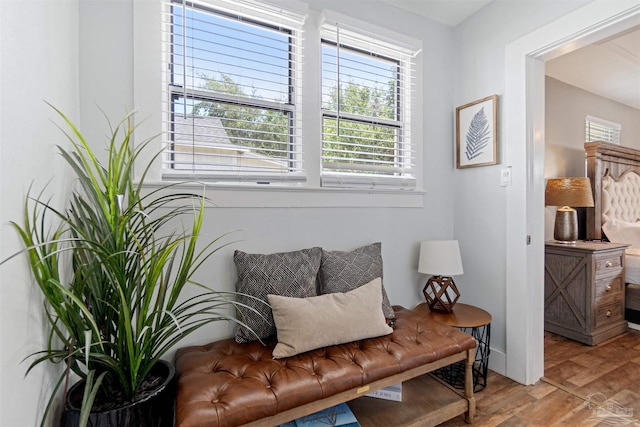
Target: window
232, 99
366, 98
597, 129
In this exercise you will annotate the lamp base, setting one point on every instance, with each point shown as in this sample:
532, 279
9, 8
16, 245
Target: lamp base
441, 293
566, 225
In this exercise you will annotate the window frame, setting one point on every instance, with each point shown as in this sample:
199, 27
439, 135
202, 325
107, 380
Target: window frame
306, 193
373, 175
244, 12
611, 131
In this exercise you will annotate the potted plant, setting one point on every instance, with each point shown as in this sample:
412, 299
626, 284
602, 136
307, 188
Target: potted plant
112, 266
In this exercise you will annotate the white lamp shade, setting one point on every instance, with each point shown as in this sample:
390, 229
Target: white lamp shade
440, 258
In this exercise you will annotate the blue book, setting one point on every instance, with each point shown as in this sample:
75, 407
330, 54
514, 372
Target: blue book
339, 415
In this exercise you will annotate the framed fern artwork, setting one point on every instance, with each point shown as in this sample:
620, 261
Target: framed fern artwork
476, 133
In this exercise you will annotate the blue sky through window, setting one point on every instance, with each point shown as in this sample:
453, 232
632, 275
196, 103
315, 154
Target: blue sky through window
255, 57
360, 69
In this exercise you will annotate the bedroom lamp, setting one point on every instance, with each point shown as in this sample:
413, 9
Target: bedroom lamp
441, 259
567, 193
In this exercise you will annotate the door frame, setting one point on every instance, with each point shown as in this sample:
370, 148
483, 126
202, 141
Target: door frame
523, 129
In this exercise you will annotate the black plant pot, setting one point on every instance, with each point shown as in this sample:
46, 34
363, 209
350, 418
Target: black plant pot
155, 409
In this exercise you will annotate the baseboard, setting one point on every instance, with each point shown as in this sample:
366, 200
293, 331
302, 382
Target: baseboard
498, 361
634, 326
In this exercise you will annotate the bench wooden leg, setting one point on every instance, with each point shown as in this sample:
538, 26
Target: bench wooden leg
468, 385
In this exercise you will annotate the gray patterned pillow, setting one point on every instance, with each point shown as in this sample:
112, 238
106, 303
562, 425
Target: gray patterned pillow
289, 274
345, 271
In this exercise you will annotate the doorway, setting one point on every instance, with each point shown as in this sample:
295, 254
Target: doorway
524, 129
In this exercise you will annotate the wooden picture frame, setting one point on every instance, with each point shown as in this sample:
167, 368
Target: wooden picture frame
477, 133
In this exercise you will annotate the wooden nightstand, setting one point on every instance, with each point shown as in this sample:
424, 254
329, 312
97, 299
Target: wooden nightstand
584, 290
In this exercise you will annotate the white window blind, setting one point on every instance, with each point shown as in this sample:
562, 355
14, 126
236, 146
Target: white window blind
367, 91
597, 129
232, 101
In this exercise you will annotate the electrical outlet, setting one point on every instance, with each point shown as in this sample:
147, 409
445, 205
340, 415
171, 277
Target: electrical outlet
505, 177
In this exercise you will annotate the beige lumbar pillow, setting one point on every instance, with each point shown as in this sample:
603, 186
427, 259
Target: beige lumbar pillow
305, 324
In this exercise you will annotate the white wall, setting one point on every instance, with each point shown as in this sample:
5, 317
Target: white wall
106, 63
39, 61
480, 202
567, 106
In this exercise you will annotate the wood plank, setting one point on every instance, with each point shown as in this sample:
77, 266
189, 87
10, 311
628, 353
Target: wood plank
505, 403
550, 408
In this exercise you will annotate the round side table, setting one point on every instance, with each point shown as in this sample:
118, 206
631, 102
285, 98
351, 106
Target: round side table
474, 321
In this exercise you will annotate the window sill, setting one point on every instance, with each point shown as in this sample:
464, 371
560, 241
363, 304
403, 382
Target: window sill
278, 196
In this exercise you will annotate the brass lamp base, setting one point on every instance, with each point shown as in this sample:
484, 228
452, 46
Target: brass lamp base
441, 293
566, 226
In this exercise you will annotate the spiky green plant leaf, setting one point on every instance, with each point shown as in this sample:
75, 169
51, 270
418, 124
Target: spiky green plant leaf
120, 305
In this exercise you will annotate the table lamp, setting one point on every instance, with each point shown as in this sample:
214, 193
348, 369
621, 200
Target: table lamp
441, 259
567, 193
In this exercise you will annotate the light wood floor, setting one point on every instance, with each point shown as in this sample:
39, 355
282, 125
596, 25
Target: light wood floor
583, 386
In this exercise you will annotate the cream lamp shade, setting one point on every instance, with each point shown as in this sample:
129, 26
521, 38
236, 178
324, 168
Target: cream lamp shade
441, 259
567, 193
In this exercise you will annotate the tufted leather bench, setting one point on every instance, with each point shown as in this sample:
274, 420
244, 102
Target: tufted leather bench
224, 384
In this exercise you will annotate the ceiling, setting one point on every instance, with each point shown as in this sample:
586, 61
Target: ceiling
448, 12
610, 68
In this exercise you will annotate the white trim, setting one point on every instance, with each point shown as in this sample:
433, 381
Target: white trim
255, 196
523, 127
197, 131
397, 43
345, 180
597, 129
291, 17
147, 97
356, 34
498, 361
249, 178
607, 123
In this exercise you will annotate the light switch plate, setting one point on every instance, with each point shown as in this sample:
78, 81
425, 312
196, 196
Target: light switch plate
505, 177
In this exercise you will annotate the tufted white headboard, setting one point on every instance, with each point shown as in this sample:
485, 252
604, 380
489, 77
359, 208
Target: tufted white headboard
614, 172
621, 197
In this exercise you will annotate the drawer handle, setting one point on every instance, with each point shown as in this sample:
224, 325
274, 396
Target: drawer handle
608, 288
608, 313
608, 264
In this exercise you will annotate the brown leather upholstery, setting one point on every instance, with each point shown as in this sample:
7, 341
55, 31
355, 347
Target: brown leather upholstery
225, 384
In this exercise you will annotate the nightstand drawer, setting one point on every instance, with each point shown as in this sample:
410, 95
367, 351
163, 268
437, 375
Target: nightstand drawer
609, 313
608, 288
584, 290
608, 264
